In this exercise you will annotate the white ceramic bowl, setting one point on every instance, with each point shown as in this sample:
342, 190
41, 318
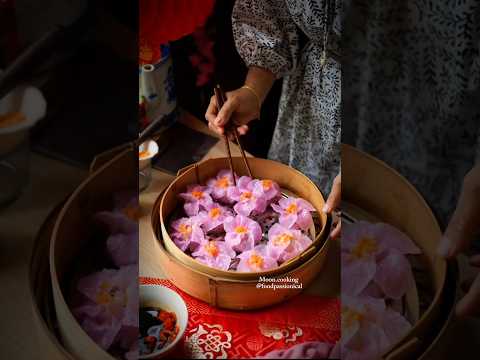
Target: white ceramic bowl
166, 299
152, 148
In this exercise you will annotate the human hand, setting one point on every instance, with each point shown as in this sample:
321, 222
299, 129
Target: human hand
333, 202
464, 227
241, 107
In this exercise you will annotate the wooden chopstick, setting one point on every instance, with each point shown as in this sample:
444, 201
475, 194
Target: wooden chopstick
244, 157
237, 138
220, 97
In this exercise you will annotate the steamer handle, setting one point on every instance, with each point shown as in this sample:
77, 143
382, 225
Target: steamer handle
182, 170
186, 168
105, 157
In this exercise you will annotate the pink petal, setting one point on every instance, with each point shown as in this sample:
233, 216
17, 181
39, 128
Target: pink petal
244, 208
356, 274
395, 326
304, 204
232, 240
191, 208
394, 275
392, 238
277, 208
229, 224
285, 202
288, 220
304, 220
243, 182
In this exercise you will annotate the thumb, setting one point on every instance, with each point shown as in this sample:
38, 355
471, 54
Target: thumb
335, 196
226, 111
465, 222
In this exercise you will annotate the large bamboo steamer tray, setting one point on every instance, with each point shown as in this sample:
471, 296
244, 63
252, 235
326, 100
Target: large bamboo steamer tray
71, 234
230, 289
376, 188
40, 292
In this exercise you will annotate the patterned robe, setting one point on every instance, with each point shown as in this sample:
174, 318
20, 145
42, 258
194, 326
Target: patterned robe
268, 34
411, 90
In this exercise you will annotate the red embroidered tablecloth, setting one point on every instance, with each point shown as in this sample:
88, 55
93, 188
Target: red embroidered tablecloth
215, 333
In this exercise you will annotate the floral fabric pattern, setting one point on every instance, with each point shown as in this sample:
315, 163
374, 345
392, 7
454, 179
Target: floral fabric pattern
411, 81
268, 35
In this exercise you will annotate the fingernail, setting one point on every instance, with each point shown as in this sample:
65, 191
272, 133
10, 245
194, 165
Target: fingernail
218, 121
326, 208
443, 248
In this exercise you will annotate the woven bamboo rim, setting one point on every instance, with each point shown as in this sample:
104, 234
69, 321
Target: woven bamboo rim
285, 176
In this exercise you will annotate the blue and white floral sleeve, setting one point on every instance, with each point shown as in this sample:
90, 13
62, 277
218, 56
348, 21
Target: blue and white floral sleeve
265, 35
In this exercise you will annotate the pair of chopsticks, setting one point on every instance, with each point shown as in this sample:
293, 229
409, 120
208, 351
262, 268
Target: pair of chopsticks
221, 99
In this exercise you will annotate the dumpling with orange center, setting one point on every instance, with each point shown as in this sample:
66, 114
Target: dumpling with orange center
215, 254
266, 188
107, 297
284, 244
374, 254
196, 198
256, 260
187, 233
220, 184
294, 213
242, 233
247, 201
212, 217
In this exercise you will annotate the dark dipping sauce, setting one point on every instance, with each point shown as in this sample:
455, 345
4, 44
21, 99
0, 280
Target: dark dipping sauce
158, 329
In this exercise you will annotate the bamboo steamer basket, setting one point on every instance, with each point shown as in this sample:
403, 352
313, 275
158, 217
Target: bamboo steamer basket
40, 292
230, 289
71, 234
371, 185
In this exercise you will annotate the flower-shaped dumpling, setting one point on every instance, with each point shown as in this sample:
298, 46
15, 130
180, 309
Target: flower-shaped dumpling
247, 201
242, 233
376, 252
187, 233
284, 243
294, 212
110, 305
197, 196
256, 260
215, 254
213, 216
220, 184
266, 189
